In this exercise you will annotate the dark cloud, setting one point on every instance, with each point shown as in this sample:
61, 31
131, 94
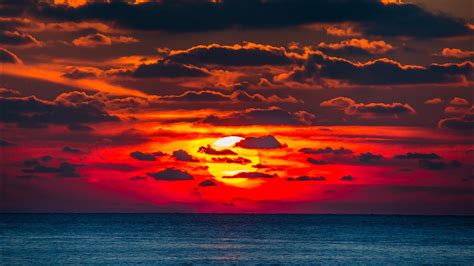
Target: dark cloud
306, 178
211, 151
317, 162
171, 174
270, 116
369, 110
248, 54
80, 73
142, 156
99, 39
208, 183
264, 142
379, 72
251, 175
238, 160
327, 150
356, 46
182, 155
374, 17
65, 170
138, 178
369, 157
80, 127
8, 57
416, 155
347, 178
9, 93
33, 111
433, 165
168, 69
4, 143
17, 38
464, 122
30, 162
68, 149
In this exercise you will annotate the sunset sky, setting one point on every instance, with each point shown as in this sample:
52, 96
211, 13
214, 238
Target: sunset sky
237, 106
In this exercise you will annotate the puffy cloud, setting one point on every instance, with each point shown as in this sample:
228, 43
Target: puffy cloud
369, 110
17, 38
248, 54
65, 169
356, 46
68, 149
417, 155
270, 116
434, 101
211, 151
457, 53
374, 17
182, 155
8, 57
236, 96
208, 183
306, 178
141, 156
464, 122
265, 142
347, 178
251, 175
238, 160
369, 157
319, 67
81, 73
346, 31
99, 39
35, 112
327, 150
168, 69
171, 174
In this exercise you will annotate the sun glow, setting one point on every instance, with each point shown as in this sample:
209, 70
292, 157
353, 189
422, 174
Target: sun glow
226, 142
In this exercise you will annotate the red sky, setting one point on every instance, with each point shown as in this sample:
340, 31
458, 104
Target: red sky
232, 106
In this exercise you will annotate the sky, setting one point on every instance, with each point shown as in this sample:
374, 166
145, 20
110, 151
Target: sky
237, 106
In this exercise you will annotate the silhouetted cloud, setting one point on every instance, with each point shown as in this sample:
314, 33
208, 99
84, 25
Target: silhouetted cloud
264, 142
252, 175
65, 169
17, 38
464, 122
350, 107
347, 178
211, 151
4, 143
208, 183
238, 160
182, 155
68, 149
369, 157
416, 155
80, 127
142, 156
99, 39
168, 69
317, 162
306, 178
270, 116
327, 150
171, 174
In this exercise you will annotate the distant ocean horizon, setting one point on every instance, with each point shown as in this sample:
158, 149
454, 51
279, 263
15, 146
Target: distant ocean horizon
183, 238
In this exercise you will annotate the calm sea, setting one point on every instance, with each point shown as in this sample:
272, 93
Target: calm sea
235, 239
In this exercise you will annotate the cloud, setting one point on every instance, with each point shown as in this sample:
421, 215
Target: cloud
374, 17
238, 160
211, 151
306, 178
369, 110
434, 101
8, 57
464, 122
99, 39
17, 38
457, 53
251, 175
347, 178
68, 149
80, 127
369, 157
65, 170
430, 165
142, 156
171, 174
346, 31
327, 150
459, 102
269, 116
248, 54
31, 111
416, 155
356, 46
4, 143
168, 69
138, 178
317, 162
182, 155
208, 183
264, 142
319, 68
238, 96
81, 73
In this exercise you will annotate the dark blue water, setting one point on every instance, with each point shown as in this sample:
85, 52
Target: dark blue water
234, 239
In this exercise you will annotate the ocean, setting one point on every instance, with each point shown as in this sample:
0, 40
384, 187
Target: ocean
235, 239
